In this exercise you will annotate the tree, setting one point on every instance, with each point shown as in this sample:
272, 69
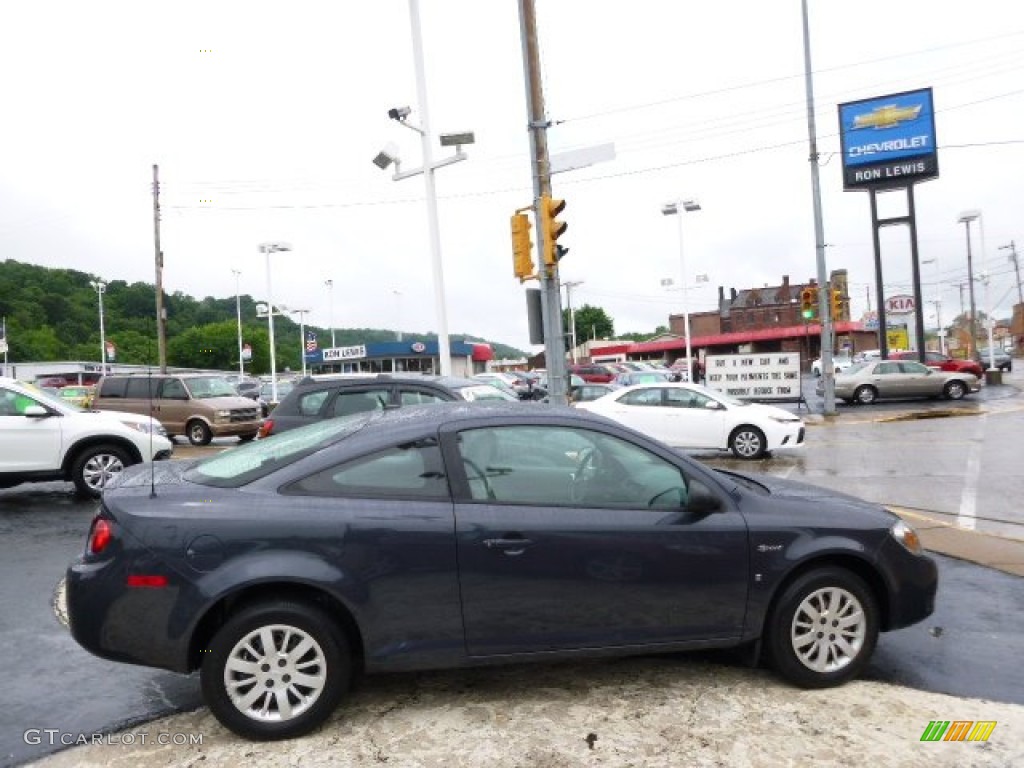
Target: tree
591, 323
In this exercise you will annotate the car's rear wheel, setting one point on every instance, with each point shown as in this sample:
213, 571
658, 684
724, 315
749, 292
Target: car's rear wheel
96, 466
276, 670
955, 390
198, 433
747, 442
823, 629
865, 395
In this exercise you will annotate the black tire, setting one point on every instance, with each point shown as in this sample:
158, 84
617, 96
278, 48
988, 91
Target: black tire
198, 433
748, 442
94, 467
325, 662
865, 395
821, 658
955, 390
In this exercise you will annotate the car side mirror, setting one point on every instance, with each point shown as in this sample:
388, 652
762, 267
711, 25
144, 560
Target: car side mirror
700, 500
36, 412
714, 405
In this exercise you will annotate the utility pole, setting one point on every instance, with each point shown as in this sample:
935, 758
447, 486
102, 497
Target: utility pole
572, 316
824, 302
161, 313
1012, 248
551, 296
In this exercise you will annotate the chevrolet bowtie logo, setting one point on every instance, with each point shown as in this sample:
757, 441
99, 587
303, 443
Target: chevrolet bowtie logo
888, 116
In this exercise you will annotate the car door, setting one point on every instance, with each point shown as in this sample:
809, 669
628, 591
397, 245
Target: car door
172, 404
573, 538
919, 380
889, 380
640, 409
693, 420
27, 443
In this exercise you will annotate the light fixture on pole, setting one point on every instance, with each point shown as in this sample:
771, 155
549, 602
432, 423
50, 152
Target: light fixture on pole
302, 335
972, 344
678, 208
330, 316
238, 315
398, 313
266, 249
389, 155
989, 321
100, 287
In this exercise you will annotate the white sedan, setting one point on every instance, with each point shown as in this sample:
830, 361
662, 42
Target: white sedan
691, 416
840, 362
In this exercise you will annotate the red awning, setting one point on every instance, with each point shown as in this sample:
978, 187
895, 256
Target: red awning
742, 337
482, 353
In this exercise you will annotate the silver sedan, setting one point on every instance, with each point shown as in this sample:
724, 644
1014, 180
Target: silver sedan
867, 382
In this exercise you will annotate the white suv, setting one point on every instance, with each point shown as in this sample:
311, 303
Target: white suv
44, 438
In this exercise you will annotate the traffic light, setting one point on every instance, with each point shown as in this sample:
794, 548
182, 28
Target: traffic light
522, 247
836, 301
551, 228
809, 302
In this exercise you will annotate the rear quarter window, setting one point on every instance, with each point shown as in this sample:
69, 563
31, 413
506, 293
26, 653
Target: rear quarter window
113, 388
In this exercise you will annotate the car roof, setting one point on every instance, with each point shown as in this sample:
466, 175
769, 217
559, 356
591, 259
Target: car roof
453, 382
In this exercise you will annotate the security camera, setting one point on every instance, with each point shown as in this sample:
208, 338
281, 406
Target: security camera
386, 157
399, 113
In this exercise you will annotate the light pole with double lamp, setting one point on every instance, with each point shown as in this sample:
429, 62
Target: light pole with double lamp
266, 249
302, 335
330, 315
678, 208
972, 344
100, 287
238, 316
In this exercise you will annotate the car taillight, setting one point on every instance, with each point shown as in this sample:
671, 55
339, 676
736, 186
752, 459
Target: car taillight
266, 427
100, 535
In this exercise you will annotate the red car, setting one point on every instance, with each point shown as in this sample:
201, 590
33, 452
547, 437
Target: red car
593, 373
941, 362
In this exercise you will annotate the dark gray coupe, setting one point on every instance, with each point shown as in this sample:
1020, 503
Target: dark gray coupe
455, 534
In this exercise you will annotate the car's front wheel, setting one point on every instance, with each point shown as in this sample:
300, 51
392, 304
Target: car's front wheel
96, 466
198, 432
865, 395
276, 670
747, 442
955, 390
823, 629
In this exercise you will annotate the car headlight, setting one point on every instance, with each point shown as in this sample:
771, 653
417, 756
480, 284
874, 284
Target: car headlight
906, 536
153, 427
785, 419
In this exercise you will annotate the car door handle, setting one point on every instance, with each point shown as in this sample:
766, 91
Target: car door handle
511, 547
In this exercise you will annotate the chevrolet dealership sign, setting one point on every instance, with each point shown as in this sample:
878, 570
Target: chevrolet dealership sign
888, 141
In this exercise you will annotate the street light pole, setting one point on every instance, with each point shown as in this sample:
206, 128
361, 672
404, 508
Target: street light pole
989, 322
677, 209
266, 249
398, 313
101, 288
938, 305
238, 315
569, 285
330, 316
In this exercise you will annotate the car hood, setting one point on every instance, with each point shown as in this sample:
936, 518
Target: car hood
783, 488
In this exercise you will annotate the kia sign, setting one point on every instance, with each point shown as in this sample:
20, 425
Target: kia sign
900, 305
888, 141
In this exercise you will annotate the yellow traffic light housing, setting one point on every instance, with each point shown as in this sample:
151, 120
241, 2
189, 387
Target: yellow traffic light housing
551, 228
522, 247
809, 302
836, 303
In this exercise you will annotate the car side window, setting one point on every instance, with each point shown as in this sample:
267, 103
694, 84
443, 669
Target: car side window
887, 368
566, 467
113, 387
14, 403
649, 396
347, 403
413, 471
141, 388
173, 389
420, 397
913, 367
310, 405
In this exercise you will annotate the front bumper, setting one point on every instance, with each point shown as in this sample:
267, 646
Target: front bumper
913, 583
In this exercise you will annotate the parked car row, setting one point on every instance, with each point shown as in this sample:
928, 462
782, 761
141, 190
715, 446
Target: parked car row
867, 382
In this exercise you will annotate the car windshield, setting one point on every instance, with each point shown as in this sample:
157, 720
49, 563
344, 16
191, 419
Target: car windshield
210, 386
249, 462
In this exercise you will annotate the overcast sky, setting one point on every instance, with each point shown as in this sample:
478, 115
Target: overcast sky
264, 118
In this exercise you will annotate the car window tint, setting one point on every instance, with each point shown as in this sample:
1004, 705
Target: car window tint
649, 396
912, 367
347, 403
173, 389
420, 397
310, 405
412, 470
887, 368
568, 467
113, 387
141, 388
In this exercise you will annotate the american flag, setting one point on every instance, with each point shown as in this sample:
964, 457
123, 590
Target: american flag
311, 341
